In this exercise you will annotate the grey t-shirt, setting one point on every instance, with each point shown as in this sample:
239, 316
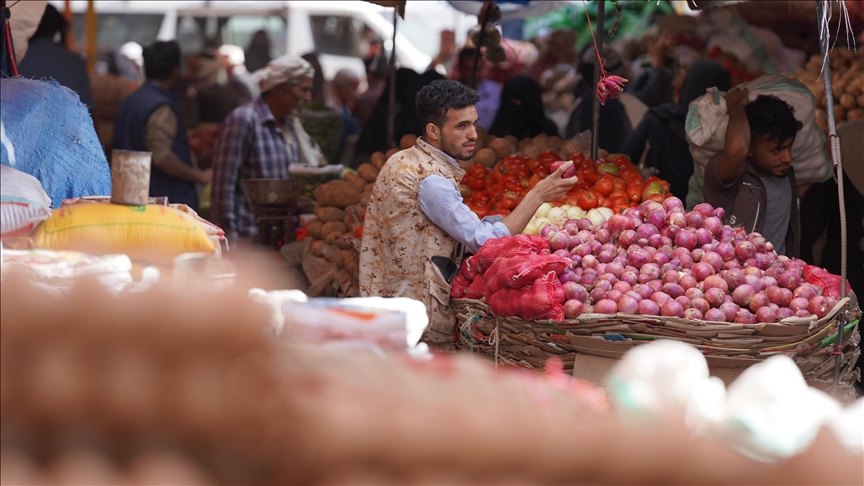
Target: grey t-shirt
779, 196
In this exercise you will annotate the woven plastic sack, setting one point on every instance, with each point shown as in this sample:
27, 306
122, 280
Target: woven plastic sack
503, 247
517, 272
477, 289
459, 286
829, 282
48, 133
19, 219
150, 233
707, 120
539, 301
16, 186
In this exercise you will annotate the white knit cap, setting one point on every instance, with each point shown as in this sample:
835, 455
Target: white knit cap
282, 70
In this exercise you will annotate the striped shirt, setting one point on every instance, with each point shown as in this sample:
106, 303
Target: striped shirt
250, 146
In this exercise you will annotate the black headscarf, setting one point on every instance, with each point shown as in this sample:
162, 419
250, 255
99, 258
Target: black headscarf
521, 112
664, 124
406, 119
374, 135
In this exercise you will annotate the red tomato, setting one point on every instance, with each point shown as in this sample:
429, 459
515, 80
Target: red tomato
477, 169
533, 164
587, 200
543, 173
635, 193
604, 187
619, 184
592, 176
475, 182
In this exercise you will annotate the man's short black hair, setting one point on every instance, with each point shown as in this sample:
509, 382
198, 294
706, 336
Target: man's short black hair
438, 97
772, 119
161, 59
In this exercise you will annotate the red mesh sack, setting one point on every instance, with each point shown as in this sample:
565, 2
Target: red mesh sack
539, 301
504, 247
459, 286
517, 272
477, 289
829, 282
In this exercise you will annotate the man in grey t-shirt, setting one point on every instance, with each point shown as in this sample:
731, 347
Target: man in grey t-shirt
753, 178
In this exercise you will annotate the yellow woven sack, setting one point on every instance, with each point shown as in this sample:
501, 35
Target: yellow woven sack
150, 233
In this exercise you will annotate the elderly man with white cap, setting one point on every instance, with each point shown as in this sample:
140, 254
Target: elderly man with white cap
260, 140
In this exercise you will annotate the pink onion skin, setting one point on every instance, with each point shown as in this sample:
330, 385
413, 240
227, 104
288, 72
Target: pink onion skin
693, 314
702, 271
584, 224
652, 270
655, 285
633, 213
744, 316
601, 270
752, 270
805, 292
546, 230
606, 306
562, 253
803, 313
603, 235
614, 295
596, 295
716, 282
660, 298
694, 220
776, 296
725, 250
732, 264
730, 309
672, 309
697, 255
688, 282
628, 304
713, 224
616, 269
819, 306
686, 239
573, 309
675, 219
714, 296
655, 218
638, 257
683, 300
701, 304
693, 293
714, 259
596, 247
603, 285
667, 241
744, 250
768, 282
735, 278
719, 212
643, 290
727, 234
704, 209
673, 290
784, 312
622, 287
619, 223
574, 291
686, 261
728, 298
648, 206
660, 258
715, 315
655, 241
670, 276
589, 261
703, 237
647, 307
630, 277
758, 301
743, 294
754, 282
633, 295
672, 202
766, 314
605, 256
798, 304
789, 280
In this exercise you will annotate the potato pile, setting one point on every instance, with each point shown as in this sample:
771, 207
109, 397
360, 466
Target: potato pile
847, 76
489, 149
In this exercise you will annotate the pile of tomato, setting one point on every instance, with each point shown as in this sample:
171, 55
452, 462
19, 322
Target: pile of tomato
613, 182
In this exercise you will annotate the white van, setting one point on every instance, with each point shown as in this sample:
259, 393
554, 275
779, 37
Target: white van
334, 29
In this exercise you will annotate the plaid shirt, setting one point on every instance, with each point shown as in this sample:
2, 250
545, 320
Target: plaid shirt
250, 146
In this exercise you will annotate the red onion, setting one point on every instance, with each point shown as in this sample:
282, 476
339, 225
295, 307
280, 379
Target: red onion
655, 241
693, 314
745, 317
596, 247
614, 295
727, 234
655, 285
701, 304
704, 209
619, 223
732, 264
744, 250
566, 276
671, 309
766, 314
606, 306
622, 287
643, 242
728, 298
670, 276
647, 230
672, 202
603, 235
716, 281
743, 294
758, 301
775, 295
798, 304
633, 213
719, 212
784, 312
725, 250
766, 282
584, 224
693, 293
683, 300
656, 218
758, 240
714, 259
603, 285
627, 238
752, 270
596, 295
686, 261
628, 304
606, 256
819, 306
573, 309
634, 295
588, 280
789, 279
652, 270
686, 239
673, 289
764, 260
576, 278
648, 307
665, 241
589, 261
630, 277
702, 271
715, 315
734, 277
562, 254
694, 219
714, 296
754, 282
672, 266
648, 206
713, 224
571, 226
544, 231
643, 290
609, 277
805, 292
730, 310
577, 260
615, 268
674, 219
688, 282
574, 291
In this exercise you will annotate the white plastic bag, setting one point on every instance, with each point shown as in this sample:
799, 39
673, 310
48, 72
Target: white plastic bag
707, 120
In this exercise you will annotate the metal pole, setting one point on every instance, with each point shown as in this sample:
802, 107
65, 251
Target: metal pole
824, 40
391, 101
595, 118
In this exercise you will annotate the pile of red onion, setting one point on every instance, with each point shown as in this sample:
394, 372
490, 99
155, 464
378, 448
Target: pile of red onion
660, 260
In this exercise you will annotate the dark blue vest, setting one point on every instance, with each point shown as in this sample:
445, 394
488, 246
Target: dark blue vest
129, 132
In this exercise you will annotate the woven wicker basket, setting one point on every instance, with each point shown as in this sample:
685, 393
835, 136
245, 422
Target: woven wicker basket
810, 342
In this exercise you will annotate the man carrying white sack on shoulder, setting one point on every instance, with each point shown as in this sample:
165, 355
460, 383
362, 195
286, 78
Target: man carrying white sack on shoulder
417, 228
260, 140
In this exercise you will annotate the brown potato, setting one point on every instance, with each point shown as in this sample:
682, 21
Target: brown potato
855, 114
316, 247
848, 101
860, 101
465, 164
390, 153
355, 179
336, 239
378, 160
532, 151
369, 187
501, 148
486, 157
523, 144
364, 198
514, 142
407, 141
555, 142
338, 193
482, 137
368, 172
315, 228
839, 113
327, 214
334, 227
